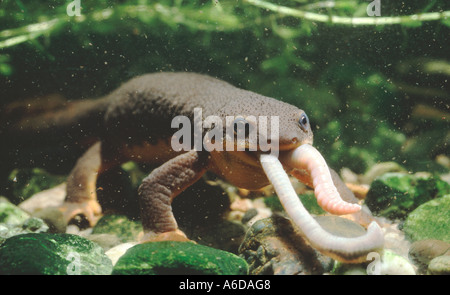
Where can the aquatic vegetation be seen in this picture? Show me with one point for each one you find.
(363, 78)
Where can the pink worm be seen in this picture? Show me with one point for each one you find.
(308, 158)
(341, 248)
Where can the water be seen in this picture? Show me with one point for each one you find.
(373, 76)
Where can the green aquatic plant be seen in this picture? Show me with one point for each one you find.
(356, 73)
(44, 20)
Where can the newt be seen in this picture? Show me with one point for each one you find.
(133, 123)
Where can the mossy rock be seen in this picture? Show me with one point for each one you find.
(119, 225)
(394, 195)
(10, 213)
(26, 182)
(31, 225)
(14, 221)
(429, 221)
(177, 258)
(52, 254)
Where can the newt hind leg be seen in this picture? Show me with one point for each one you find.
(82, 185)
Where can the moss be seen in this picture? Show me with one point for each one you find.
(394, 195)
(178, 258)
(52, 254)
(26, 182)
(429, 221)
(11, 214)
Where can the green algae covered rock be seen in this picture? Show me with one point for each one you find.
(125, 229)
(178, 258)
(394, 195)
(10, 213)
(14, 221)
(52, 254)
(31, 225)
(26, 182)
(429, 221)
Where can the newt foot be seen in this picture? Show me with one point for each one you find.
(175, 236)
(91, 210)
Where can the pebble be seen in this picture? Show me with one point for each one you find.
(379, 169)
(116, 252)
(423, 251)
(52, 197)
(440, 265)
(388, 263)
(394, 264)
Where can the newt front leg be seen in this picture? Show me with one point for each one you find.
(158, 190)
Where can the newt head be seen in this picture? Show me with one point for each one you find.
(253, 125)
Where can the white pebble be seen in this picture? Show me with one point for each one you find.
(116, 252)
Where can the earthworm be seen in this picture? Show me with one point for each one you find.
(308, 158)
(340, 248)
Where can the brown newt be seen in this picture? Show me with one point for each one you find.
(134, 123)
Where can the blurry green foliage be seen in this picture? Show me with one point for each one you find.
(345, 77)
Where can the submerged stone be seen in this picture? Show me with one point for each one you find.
(394, 195)
(225, 235)
(125, 229)
(52, 254)
(423, 251)
(14, 221)
(440, 265)
(273, 246)
(24, 183)
(185, 258)
(429, 221)
(10, 213)
(341, 227)
(394, 264)
(388, 263)
(31, 225)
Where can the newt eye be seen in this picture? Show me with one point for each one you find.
(303, 122)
